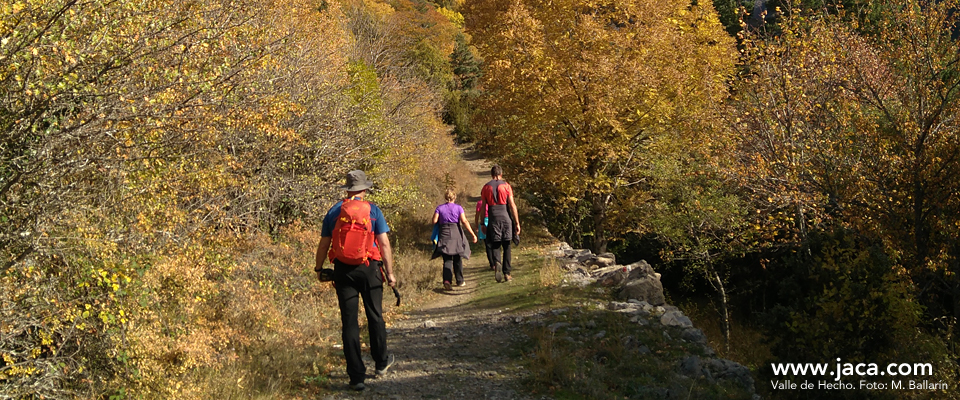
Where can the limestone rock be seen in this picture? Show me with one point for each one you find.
(643, 284)
(725, 369)
(602, 261)
(614, 277)
(694, 335)
(675, 318)
(690, 366)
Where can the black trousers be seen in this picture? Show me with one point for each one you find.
(352, 283)
(505, 259)
(452, 266)
(488, 246)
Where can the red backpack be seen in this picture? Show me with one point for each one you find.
(353, 238)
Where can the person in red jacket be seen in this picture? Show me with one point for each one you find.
(503, 221)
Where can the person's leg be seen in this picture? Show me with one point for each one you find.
(373, 306)
(447, 268)
(488, 247)
(458, 269)
(495, 249)
(506, 257)
(498, 265)
(347, 296)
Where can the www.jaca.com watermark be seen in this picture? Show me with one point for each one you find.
(849, 376)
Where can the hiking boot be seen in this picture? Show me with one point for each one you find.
(507, 278)
(383, 371)
(462, 284)
(499, 268)
(358, 386)
(446, 285)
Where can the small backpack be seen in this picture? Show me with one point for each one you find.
(353, 238)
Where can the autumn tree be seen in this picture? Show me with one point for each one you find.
(847, 130)
(580, 98)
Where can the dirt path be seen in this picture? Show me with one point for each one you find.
(459, 345)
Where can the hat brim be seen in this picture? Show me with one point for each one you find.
(356, 187)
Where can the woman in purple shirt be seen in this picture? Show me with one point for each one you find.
(452, 243)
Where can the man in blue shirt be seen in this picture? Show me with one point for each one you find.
(362, 280)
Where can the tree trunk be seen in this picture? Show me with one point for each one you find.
(921, 234)
(599, 211)
(724, 310)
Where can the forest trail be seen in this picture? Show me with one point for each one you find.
(460, 344)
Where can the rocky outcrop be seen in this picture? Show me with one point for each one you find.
(640, 292)
(643, 284)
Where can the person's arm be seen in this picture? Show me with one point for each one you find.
(385, 251)
(436, 217)
(322, 250)
(476, 217)
(466, 223)
(513, 209)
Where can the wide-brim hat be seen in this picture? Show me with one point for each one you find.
(357, 181)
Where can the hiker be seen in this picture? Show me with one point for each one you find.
(482, 210)
(503, 224)
(354, 237)
(451, 241)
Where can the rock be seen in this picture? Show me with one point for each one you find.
(600, 261)
(600, 335)
(429, 324)
(609, 255)
(570, 266)
(559, 311)
(618, 305)
(616, 277)
(643, 349)
(643, 284)
(723, 369)
(647, 289)
(599, 273)
(694, 335)
(561, 250)
(591, 324)
(675, 318)
(708, 351)
(641, 268)
(690, 366)
(583, 258)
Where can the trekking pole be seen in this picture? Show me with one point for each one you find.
(397, 294)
